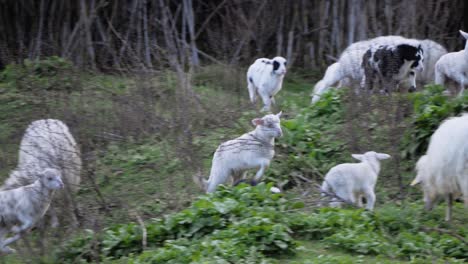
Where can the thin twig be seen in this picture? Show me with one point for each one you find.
(445, 231)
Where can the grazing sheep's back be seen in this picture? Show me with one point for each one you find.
(432, 52)
(448, 156)
(46, 143)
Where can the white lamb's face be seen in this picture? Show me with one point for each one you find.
(279, 65)
(52, 179)
(269, 125)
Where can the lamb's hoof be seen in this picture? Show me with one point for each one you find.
(446, 93)
(7, 250)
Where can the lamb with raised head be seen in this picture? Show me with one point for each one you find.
(353, 181)
(443, 171)
(253, 150)
(22, 207)
(265, 77)
(453, 67)
(48, 143)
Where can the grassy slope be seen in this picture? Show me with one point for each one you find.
(127, 173)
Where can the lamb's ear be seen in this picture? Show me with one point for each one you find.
(464, 34)
(257, 122)
(383, 156)
(279, 114)
(358, 156)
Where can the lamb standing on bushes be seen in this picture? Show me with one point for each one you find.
(22, 207)
(253, 150)
(265, 77)
(453, 67)
(352, 181)
(48, 143)
(443, 171)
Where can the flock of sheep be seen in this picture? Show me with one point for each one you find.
(49, 158)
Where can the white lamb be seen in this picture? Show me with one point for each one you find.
(265, 77)
(453, 66)
(443, 171)
(253, 150)
(22, 207)
(47, 143)
(353, 181)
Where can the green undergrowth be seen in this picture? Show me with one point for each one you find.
(251, 225)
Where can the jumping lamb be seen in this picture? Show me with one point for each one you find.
(253, 150)
(353, 181)
(443, 171)
(265, 77)
(453, 66)
(22, 207)
(48, 143)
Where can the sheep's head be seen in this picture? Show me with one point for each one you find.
(371, 155)
(269, 125)
(51, 179)
(412, 53)
(279, 65)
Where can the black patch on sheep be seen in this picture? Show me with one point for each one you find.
(250, 80)
(384, 62)
(275, 65)
(408, 52)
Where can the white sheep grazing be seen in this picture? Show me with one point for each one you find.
(22, 207)
(388, 65)
(265, 77)
(47, 143)
(253, 150)
(353, 181)
(443, 171)
(453, 66)
(348, 71)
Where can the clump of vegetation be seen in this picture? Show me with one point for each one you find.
(230, 224)
(431, 107)
(310, 146)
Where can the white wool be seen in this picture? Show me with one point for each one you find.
(22, 207)
(253, 150)
(453, 67)
(265, 77)
(349, 73)
(47, 143)
(444, 168)
(353, 181)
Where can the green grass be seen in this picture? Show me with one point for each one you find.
(146, 173)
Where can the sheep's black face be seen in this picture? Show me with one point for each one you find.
(412, 53)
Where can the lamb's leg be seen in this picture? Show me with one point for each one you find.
(6, 242)
(3, 248)
(252, 91)
(221, 178)
(266, 102)
(462, 87)
(448, 212)
(260, 172)
(358, 200)
(370, 198)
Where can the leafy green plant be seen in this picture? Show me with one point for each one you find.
(431, 107)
